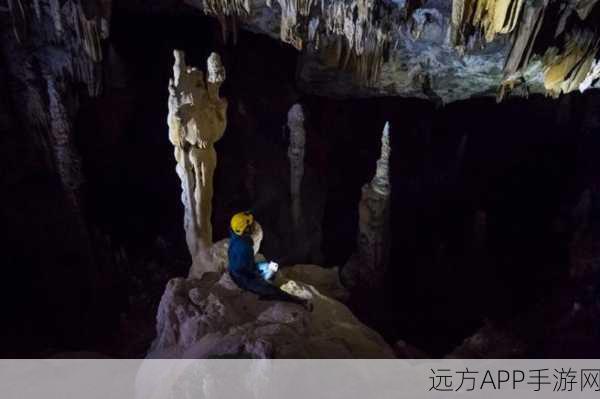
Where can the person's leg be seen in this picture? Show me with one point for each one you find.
(265, 290)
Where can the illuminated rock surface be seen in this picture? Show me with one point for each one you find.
(197, 119)
(366, 269)
(441, 50)
(212, 317)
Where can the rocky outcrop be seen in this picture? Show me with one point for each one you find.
(197, 120)
(211, 317)
(490, 342)
(366, 269)
(567, 69)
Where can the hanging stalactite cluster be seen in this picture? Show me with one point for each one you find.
(353, 35)
(58, 46)
(294, 21)
(485, 17)
(81, 34)
(566, 43)
(361, 30)
(228, 12)
(557, 38)
(567, 68)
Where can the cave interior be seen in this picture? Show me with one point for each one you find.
(492, 208)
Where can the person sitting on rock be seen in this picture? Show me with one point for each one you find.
(244, 271)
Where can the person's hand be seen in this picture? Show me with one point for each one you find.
(273, 267)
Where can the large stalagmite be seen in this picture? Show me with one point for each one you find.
(296, 155)
(366, 268)
(197, 119)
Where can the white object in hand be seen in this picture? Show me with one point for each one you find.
(268, 269)
(273, 267)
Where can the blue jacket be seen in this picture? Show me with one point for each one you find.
(241, 256)
(250, 275)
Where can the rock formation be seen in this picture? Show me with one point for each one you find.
(490, 342)
(227, 12)
(567, 69)
(415, 48)
(420, 48)
(490, 17)
(52, 62)
(296, 156)
(366, 268)
(75, 35)
(211, 317)
(57, 46)
(197, 119)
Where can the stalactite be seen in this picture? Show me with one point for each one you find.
(91, 35)
(592, 78)
(522, 48)
(66, 159)
(19, 19)
(366, 268)
(456, 22)
(584, 7)
(196, 120)
(566, 69)
(227, 7)
(84, 41)
(294, 21)
(227, 12)
(296, 156)
(55, 10)
(37, 9)
(490, 17)
(365, 37)
(525, 35)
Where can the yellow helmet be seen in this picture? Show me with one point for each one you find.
(241, 221)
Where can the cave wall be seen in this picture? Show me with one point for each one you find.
(47, 242)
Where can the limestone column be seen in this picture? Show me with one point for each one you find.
(197, 120)
(296, 154)
(366, 268)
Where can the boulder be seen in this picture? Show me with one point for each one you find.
(210, 317)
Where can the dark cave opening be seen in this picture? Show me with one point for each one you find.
(481, 231)
(480, 202)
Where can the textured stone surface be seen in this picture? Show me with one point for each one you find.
(296, 156)
(490, 342)
(212, 317)
(366, 268)
(197, 119)
(441, 50)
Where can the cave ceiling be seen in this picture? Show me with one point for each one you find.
(433, 49)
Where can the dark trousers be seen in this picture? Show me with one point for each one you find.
(263, 289)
